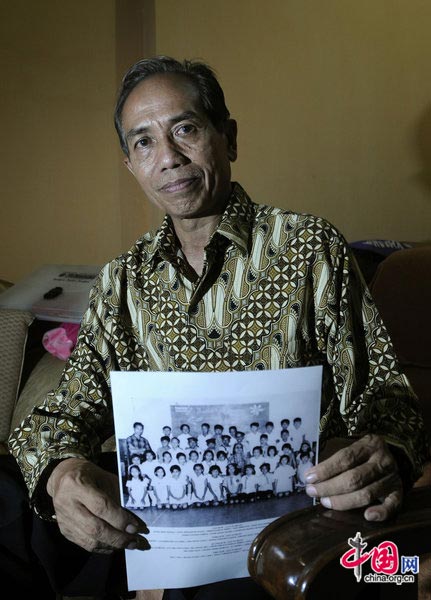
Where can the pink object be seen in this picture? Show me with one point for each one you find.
(61, 341)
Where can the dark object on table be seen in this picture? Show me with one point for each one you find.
(53, 293)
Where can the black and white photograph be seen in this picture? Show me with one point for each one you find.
(228, 456)
(245, 464)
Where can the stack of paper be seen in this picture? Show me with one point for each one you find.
(72, 285)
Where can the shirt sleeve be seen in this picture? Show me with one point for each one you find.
(76, 418)
(364, 389)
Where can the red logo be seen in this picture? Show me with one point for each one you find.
(384, 557)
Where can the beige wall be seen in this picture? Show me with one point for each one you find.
(333, 101)
(61, 174)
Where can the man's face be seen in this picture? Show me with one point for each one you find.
(181, 161)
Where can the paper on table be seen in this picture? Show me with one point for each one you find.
(193, 545)
(75, 282)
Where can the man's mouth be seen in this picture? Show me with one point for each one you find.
(178, 185)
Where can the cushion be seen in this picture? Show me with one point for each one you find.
(13, 335)
(44, 378)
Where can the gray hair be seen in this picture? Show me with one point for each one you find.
(200, 74)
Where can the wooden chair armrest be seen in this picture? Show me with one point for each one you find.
(298, 555)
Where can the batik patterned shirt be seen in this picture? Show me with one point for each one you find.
(278, 290)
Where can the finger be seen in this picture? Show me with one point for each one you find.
(105, 549)
(106, 509)
(382, 488)
(343, 460)
(350, 481)
(135, 524)
(92, 532)
(102, 549)
(387, 509)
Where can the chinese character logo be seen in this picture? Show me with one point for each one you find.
(353, 559)
(410, 563)
(384, 560)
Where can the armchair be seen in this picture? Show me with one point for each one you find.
(297, 557)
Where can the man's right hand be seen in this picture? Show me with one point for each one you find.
(88, 510)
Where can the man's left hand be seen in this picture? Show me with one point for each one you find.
(363, 474)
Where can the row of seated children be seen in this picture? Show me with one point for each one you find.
(211, 457)
(178, 487)
(219, 440)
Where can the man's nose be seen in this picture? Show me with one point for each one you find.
(171, 155)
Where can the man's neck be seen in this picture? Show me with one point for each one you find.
(194, 235)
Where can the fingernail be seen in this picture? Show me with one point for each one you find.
(326, 502)
(311, 478)
(372, 516)
(139, 543)
(311, 490)
(133, 528)
(143, 543)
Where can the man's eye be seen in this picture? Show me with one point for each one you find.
(143, 143)
(185, 129)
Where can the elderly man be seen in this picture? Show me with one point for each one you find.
(248, 287)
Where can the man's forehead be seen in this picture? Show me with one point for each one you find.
(162, 96)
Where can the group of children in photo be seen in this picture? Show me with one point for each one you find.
(214, 467)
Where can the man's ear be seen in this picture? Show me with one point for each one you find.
(231, 130)
(126, 161)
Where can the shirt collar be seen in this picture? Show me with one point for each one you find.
(235, 225)
(237, 219)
